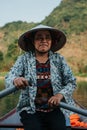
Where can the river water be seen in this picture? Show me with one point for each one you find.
(80, 95)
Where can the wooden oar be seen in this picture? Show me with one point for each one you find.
(74, 109)
(7, 91)
(81, 111)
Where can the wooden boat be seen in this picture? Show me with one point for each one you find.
(11, 121)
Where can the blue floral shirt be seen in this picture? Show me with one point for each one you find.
(62, 79)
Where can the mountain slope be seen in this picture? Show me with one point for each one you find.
(71, 17)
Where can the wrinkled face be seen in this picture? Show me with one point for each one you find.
(42, 41)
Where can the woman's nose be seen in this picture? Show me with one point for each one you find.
(43, 39)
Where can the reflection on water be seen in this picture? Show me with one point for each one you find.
(81, 95)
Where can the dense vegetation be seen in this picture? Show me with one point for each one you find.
(70, 16)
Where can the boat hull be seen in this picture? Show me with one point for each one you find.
(11, 121)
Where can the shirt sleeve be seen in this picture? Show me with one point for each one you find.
(15, 71)
(68, 79)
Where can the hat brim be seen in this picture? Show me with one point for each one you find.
(58, 38)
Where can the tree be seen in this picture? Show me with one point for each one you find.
(1, 56)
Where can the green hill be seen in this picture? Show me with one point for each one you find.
(70, 16)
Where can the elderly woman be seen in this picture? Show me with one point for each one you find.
(44, 78)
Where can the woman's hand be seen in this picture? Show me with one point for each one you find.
(55, 100)
(20, 82)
